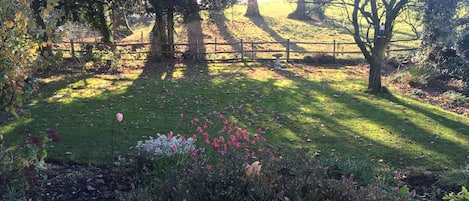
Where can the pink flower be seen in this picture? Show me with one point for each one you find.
(194, 136)
(209, 167)
(35, 140)
(174, 148)
(216, 144)
(200, 129)
(220, 116)
(195, 121)
(225, 121)
(183, 137)
(53, 135)
(259, 130)
(170, 135)
(119, 117)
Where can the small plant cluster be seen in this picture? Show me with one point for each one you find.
(233, 172)
(21, 165)
(165, 145)
(463, 195)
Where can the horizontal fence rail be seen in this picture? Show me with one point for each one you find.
(236, 51)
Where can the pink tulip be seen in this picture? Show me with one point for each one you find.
(119, 117)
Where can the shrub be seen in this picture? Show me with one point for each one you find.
(456, 97)
(321, 58)
(21, 164)
(287, 173)
(19, 52)
(156, 156)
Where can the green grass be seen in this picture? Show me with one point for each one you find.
(325, 106)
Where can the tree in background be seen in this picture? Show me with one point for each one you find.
(19, 57)
(443, 51)
(305, 9)
(162, 34)
(300, 11)
(253, 9)
(375, 35)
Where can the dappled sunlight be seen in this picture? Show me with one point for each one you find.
(93, 87)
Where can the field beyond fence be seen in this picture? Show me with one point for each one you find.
(238, 51)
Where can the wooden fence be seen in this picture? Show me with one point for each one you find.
(237, 51)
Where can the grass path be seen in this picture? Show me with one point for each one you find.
(323, 106)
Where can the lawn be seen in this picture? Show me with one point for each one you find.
(324, 106)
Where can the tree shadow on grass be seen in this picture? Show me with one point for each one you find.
(407, 133)
(262, 23)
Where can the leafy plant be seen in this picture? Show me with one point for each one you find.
(456, 97)
(18, 52)
(287, 173)
(21, 164)
(463, 195)
(156, 156)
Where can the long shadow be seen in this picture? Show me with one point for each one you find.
(222, 27)
(382, 117)
(261, 23)
(197, 51)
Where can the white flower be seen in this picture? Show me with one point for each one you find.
(164, 146)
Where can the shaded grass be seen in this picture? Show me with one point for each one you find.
(324, 106)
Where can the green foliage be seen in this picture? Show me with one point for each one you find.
(319, 59)
(463, 195)
(456, 97)
(458, 177)
(18, 53)
(286, 173)
(21, 165)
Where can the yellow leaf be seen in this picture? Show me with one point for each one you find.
(9, 24)
(19, 14)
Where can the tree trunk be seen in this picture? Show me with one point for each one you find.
(192, 12)
(170, 25)
(300, 12)
(104, 27)
(159, 34)
(253, 9)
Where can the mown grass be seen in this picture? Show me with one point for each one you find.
(326, 107)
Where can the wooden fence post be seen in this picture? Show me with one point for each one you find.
(388, 51)
(73, 48)
(333, 49)
(288, 50)
(215, 48)
(196, 56)
(242, 50)
(253, 54)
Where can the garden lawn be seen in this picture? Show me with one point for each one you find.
(323, 106)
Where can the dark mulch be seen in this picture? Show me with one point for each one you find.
(82, 182)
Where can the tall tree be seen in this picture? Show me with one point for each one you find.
(373, 37)
(253, 9)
